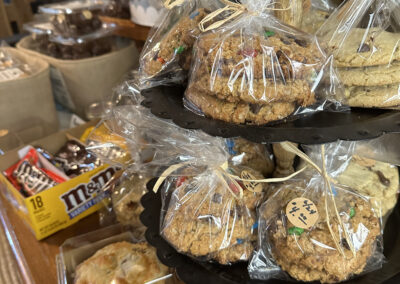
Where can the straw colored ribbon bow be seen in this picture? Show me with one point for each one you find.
(169, 4)
(226, 177)
(328, 181)
(233, 10)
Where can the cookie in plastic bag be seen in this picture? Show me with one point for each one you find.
(207, 220)
(313, 229)
(313, 254)
(126, 201)
(167, 54)
(250, 154)
(377, 180)
(257, 70)
(363, 36)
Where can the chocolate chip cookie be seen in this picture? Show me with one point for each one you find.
(380, 75)
(363, 47)
(377, 180)
(374, 96)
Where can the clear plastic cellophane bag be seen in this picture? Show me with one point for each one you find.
(123, 203)
(206, 212)
(316, 14)
(314, 229)
(253, 155)
(363, 37)
(255, 69)
(373, 172)
(167, 54)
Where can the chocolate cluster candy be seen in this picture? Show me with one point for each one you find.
(75, 18)
(75, 160)
(117, 9)
(78, 23)
(77, 50)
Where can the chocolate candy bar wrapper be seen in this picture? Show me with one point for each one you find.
(32, 179)
(75, 160)
(31, 176)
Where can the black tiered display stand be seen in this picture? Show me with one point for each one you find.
(191, 271)
(321, 127)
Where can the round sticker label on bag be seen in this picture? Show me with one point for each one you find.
(302, 213)
(87, 14)
(251, 185)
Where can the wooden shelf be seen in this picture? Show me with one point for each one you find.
(36, 260)
(126, 28)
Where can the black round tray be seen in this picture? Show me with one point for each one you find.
(196, 272)
(321, 127)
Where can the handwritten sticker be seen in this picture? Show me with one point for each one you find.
(302, 213)
(87, 14)
(251, 185)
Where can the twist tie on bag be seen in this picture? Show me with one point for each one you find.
(229, 180)
(169, 4)
(328, 180)
(235, 9)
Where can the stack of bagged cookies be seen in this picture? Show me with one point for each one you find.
(254, 73)
(369, 68)
(365, 51)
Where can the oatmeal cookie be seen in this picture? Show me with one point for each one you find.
(205, 220)
(255, 91)
(252, 155)
(236, 252)
(312, 255)
(237, 112)
(121, 263)
(272, 56)
(377, 180)
(176, 45)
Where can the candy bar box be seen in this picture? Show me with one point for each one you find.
(54, 182)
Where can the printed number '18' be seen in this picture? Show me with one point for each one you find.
(37, 202)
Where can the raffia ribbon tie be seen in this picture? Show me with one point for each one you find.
(169, 4)
(225, 176)
(328, 182)
(235, 9)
